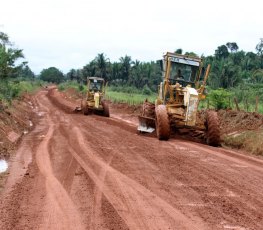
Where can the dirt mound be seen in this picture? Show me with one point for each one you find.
(126, 108)
(232, 121)
(62, 101)
(15, 120)
(71, 94)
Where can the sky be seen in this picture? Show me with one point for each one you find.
(69, 34)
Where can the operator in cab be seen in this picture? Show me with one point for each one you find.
(179, 75)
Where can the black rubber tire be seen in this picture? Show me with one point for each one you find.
(106, 110)
(162, 123)
(212, 129)
(86, 111)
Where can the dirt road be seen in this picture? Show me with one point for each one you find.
(90, 172)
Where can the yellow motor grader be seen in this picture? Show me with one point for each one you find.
(94, 101)
(179, 93)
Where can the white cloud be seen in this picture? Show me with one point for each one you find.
(69, 34)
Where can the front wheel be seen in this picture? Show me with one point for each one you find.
(106, 110)
(162, 123)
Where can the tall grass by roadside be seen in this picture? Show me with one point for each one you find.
(251, 141)
(130, 95)
(12, 89)
(216, 99)
(117, 94)
(129, 98)
(72, 85)
(205, 104)
(246, 99)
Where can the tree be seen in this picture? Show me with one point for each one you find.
(89, 70)
(9, 57)
(179, 51)
(125, 63)
(71, 75)
(102, 66)
(257, 76)
(232, 46)
(52, 74)
(259, 49)
(138, 74)
(26, 72)
(191, 54)
(115, 72)
(221, 52)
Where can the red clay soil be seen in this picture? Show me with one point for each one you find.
(15, 121)
(92, 172)
(232, 121)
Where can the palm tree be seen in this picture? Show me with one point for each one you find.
(102, 66)
(125, 67)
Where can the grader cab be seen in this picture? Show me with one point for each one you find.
(179, 93)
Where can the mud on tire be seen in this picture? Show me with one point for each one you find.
(85, 108)
(212, 129)
(86, 111)
(106, 110)
(162, 123)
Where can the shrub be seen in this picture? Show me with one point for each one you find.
(13, 89)
(146, 90)
(81, 88)
(71, 85)
(219, 98)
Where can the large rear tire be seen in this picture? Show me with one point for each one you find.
(106, 110)
(162, 123)
(213, 129)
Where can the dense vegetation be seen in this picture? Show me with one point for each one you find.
(234, 73)
(15, 75)
(52, 74)
(230, 68)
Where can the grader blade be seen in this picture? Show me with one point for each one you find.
(146, 124)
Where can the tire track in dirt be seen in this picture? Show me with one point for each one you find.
(61, 212)
(144, 153)
(139, 207)
(209, 194)
(98, 199)
(238, 199)
(124, 180)
(227, 155)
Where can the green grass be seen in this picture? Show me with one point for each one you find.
(130, 95)
(72, 85)
(251, 106)
(129, 98)
(134, 96)
(12, 89)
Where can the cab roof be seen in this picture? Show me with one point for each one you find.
(95, 78)
(183, 59)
